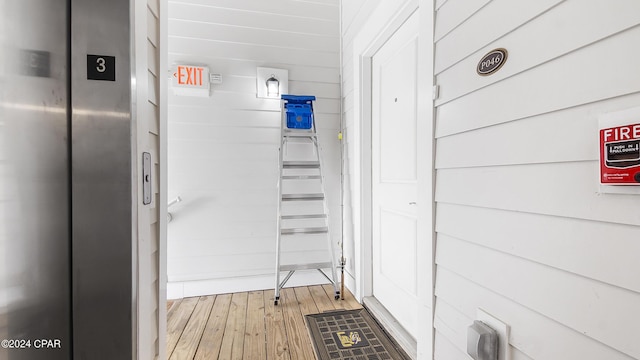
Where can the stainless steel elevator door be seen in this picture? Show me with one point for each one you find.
(34, 181)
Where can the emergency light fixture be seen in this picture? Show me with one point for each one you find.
(273, 87)
(271, 83)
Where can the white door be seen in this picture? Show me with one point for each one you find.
(394, 175)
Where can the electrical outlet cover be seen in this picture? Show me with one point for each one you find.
(501, 328)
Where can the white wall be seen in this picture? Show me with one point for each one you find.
(223, 149)
(522, 231)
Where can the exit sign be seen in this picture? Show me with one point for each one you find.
(190, 80)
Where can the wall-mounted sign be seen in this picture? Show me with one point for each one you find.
(492, 62)
(101, 67)
(620, 148)
(35, 63)
(190, 80)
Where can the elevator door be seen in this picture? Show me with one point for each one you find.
(67, 181)
(34, 181)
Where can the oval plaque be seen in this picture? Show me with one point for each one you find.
(492, 62)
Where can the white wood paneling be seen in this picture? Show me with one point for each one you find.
(453, 329)
(239, 19)
(609, 259)
(152, 58)
(446, 350)
(354, 21)
(349, 12)
(223, 148)
(497, 18)
(522, 230)
(551, 86)
(439, 3)
(253, 36)
(581, 122)
(322, 9)
(154, 6)
(224, 101)
(533, 333)
(568, 36)
(246, 68)
(452, 13)
(229, 285)
(185, 46)
(537, 188)
(561, 296)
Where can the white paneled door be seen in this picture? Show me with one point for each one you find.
(394, 175)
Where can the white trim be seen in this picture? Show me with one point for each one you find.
(392, 326)
(426, 182)
(163, 196)
(366, 187)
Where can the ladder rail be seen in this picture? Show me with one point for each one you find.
(278, 285)
(325, 204)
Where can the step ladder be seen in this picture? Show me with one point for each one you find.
(298, 127)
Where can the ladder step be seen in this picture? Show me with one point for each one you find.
(300, 164)
(288, 131)
(302, 197)
(300, 135)
(294, 267)
(309, 230)
(301, 177)
(312, 216)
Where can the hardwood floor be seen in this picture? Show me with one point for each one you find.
(247, 325)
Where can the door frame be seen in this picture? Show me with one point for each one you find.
(373, 35)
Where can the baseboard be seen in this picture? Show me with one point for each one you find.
(391, 326)
(182, 289)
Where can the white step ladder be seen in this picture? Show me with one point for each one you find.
(298, 127)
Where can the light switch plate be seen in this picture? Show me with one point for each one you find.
(501, 328)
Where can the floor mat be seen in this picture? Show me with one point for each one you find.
(351, 335)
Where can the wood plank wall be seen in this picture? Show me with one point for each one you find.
(223, 149)
(521, 229)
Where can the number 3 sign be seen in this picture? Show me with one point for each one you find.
(101, 67)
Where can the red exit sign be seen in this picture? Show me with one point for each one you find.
(191, 80)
